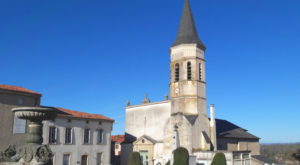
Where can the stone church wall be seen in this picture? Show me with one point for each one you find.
(147, 119)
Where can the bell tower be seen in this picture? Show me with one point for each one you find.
(187, 82)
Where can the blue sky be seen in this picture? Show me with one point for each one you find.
(95, 55)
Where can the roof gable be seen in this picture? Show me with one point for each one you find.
(145, 140)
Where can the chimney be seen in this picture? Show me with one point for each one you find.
(213, 134)
(212, 115)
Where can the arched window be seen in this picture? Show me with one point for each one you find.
(177, 72)
(200, 72)
(189, 71)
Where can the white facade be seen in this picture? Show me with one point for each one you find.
(67, 142)
(146, 119)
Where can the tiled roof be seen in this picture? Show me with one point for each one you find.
(118, 138)
(18, 89)
(77, 114)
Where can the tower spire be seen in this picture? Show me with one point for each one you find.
(187, 33)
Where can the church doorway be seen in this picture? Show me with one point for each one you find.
(144, 157)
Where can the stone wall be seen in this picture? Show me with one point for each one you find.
(147, 119)
(235, 144)
(9, 100)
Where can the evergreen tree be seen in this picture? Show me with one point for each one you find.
(219, 159)
(135, 159)
(181, 156)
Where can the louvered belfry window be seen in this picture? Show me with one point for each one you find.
(177, 72)
(200, 72)
(189, 71)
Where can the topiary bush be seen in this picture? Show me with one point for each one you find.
(135, 159)
(219, 159)
(168, 163)
(181, 156)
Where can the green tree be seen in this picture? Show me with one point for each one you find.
(135, 159)
(219, 159)
(181, 156)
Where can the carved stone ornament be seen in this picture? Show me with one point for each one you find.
(7, 155)
(26, 152)
(43, 154)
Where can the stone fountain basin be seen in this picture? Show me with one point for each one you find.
(35, 113)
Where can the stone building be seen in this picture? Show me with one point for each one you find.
(13, 129)
(155, 129)
(74, 137)
(116, 148)
(79, 138)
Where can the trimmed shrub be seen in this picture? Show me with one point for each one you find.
(219, 159)
(168, 163)
(135, 159)
(181, 156)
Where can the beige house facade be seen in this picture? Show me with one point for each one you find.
(79, 138)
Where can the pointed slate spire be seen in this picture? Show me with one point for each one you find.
(187, 33)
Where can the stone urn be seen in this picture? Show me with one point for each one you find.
(32, 152)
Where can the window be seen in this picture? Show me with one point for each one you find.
(66, 159)
(189, 71)
(100, 136)
(84, 160)
(86, 136)
(52, 135)
(69, 136)
(99, 158)
(19, 125)
(246, 156)
(177, 72)
(236, 156)
(200, 72)
(20, 101)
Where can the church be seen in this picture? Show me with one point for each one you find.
(155, 129)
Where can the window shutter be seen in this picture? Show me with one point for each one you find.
(102, 136)
(98, 137)
(89, 140)
(72, 135)
(55, 135)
